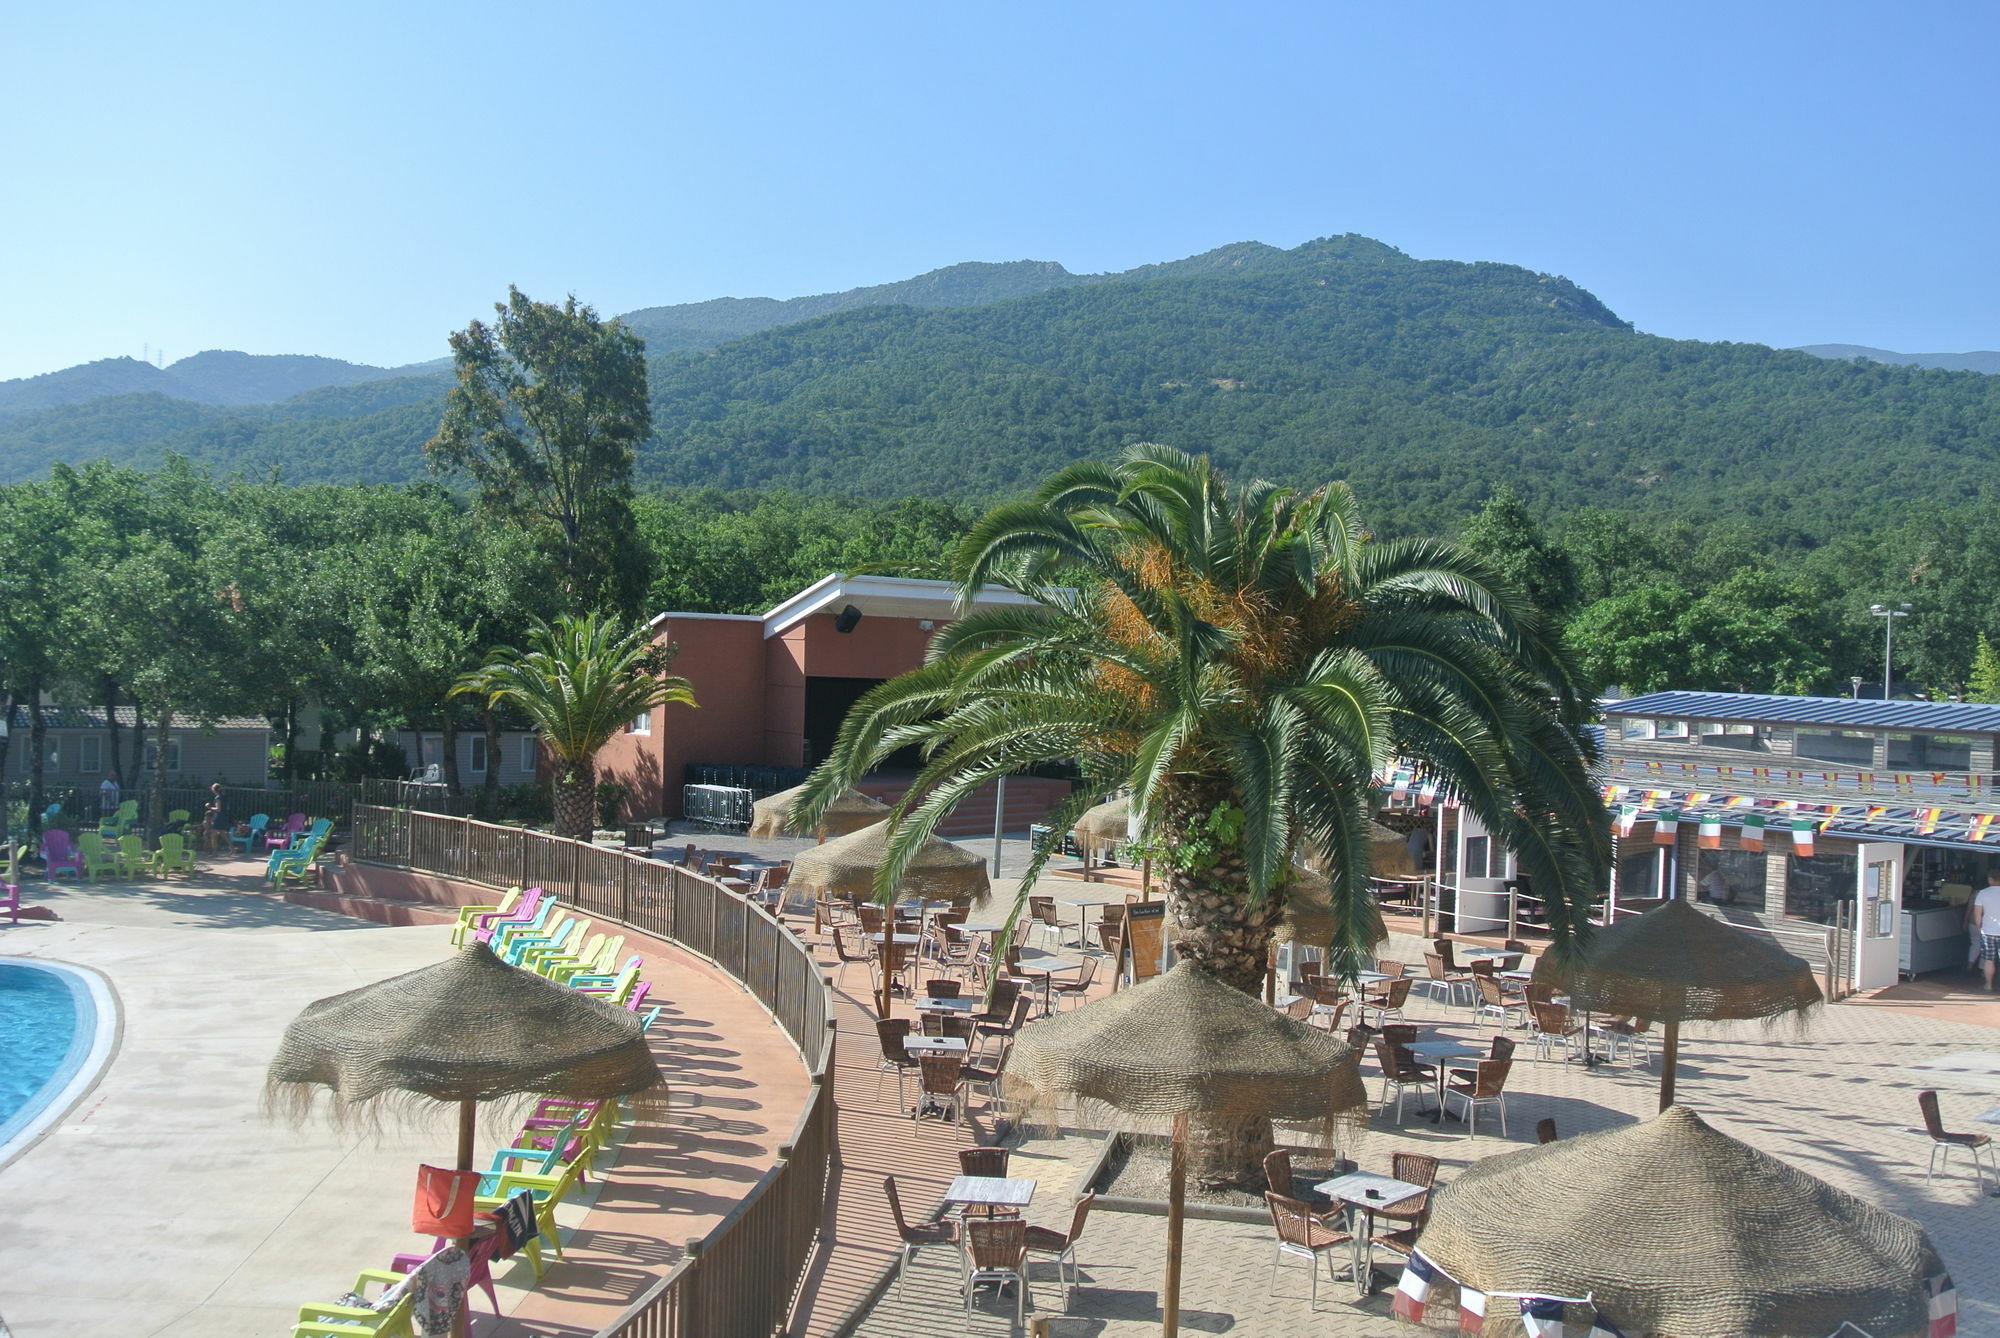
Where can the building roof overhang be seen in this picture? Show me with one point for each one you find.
(874, 596)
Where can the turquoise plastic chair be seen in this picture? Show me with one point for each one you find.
(296, 861)
(258, 822)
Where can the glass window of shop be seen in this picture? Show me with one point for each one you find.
(1852, 747)
(1817, 885)
(1930, 752)
(1730, 878)
(1935, 876)
(1638, 870)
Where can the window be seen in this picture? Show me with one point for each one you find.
(478, 751)
(1670, 729)
(1717, 734)
(1730, 878)
(1639, 872)
(432, 750)
(1853, 747)
(90, 754)
(528, 753)
(173, 755)
(1816, 887)
(1634, 728)
(1476, 848)
(642, 723)
(52, 757)
(1930, 752)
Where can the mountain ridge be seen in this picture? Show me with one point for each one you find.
(1978, 360)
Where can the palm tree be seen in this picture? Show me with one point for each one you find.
(1245, 660)
(579, 681)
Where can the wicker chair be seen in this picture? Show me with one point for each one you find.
(1487, 1086)
(1279, 1176)
(1444, 983)
(1398, 1225)
(1299, 1009)
(1042, 910)
(1006, 1031)
(941, 1087)
(913, 1238)
(1553, 1027)
(1545, 1130)
(988, 1077)
(1062, 1244)
(1401, 1071)
(996, 1250)
(891, 1031)
(846, 958)
(1634, 1034)
(1978, 1146)
(1078, 989)
(1389, 1003)
(1301, 1235)
(1503, 1048)
(938, 988)
(1494, 1003)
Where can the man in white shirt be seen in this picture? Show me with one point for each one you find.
(1986, 923)
(107, 796)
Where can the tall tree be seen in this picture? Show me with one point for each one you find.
(579, 681)
(1245, 660)
(549, 406)
(1507, 537)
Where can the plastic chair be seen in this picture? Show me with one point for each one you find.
(132, 855)
(479, 1253)
(173, 856)
(549, 1190)
(996, 1250)
(486, 920)
(469, 916)
(282, 837)
(325, 1319)
(59, 853)
(10, 882)
(258, 822)
(98, 859)
(913, 1238)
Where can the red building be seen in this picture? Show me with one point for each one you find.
(773, 689)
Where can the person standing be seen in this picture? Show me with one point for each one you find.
(1418, 843)
(107, 797)
(1986, 924)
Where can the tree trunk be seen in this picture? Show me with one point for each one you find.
(156, 803)
(289, 769)
(135, 751)
(325, 762)
(111, 732)
(576, 799)
(38, 755)
(451, 786)
(6, 746)
(489, 803)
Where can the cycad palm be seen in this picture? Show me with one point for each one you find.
(579, 681)
(1245, 660)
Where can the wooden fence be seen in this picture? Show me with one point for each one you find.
(739, 1280)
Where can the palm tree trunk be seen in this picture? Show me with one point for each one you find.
(576, 798)
(489, 800)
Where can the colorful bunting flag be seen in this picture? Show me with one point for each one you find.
(1752, 835)
(1471, 1311)
(1415, 1286)
(1666, 826)
(1802, 837)
(1944, 1306)
(1709, 837)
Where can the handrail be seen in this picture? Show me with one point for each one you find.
(738, 1280)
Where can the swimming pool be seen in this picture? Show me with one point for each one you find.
(57, 1024)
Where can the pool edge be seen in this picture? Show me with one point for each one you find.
(92, 989)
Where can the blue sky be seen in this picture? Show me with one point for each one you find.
(359, 180)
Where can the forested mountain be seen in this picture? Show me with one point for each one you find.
(1424, 383)
(1982, 360)
(214, 377)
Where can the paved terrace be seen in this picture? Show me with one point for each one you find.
(164, 1204)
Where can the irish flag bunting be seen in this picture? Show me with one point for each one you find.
(1752, 835)
(1802, 837)
(1626, 817)
(1666, 826)
(1709, 837)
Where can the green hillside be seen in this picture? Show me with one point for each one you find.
(1425, 383)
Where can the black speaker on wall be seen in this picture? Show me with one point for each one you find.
(849, 616)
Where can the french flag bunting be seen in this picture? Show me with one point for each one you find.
(1471, 1310)
(1542, 1317)
(1601, 1327)
(1944, 1306)
(1418, 1274)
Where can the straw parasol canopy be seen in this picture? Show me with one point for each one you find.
(1185, 1048)
(469, 1029)
(849, 811)
(1673, 1227)
(1107, 824)
(940, 871)
(1674, 964)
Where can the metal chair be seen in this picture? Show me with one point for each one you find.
(1487, 1086)
(940, 1087)
(1062, 1244)
(890, 1032)
(1401, 1071)
(1632, 1033)
(1078, 989)
(1553, 1027)
(845, 957)
(1494, 1003)
(1389, 1002)
(1942, 1140)
(1279, 1177)
(914, 1238)
(1301, 1235)
(996, 1252)
(1442, 981)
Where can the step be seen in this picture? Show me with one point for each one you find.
(379, 910)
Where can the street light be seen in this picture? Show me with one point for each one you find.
(1888, 616)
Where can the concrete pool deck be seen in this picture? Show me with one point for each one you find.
(164, 1203)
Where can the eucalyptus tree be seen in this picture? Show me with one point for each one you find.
(578, 681)
(1245, 660)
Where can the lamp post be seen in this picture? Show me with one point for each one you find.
(1888, 614)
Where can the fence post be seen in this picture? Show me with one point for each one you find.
(1513, 912)
(625, 889)
(689, 1318)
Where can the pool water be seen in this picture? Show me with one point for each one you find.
(38, 1035)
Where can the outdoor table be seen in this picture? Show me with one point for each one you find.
(1442, 1053)
(1991, 1116)
(1494, 955)
(1976, 1069)
(935, 1045)
(1518, 975)
(989, 1191)
(1047, 967)
(930, 1005)
(901, 940)
(1083, 920)
(1353, 1190)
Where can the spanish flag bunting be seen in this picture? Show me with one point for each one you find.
(1666, 825)
(1709, 837)
(1802, 837)
(1979, 826)
(1927, 821)
(1752, 836)
(1876, 810)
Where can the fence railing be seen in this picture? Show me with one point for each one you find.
(739, 1280)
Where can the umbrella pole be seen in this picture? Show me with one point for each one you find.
(468, 1118)
(1670, 1054)
(1170, 1294)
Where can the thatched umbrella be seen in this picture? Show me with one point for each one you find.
(1674, 964)
(846, 867)
(1673, 1227)
(848, 811)
(1184, 1047)
(1108, 824)
(467, 1030)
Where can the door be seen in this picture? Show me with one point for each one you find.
(1879, 915)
